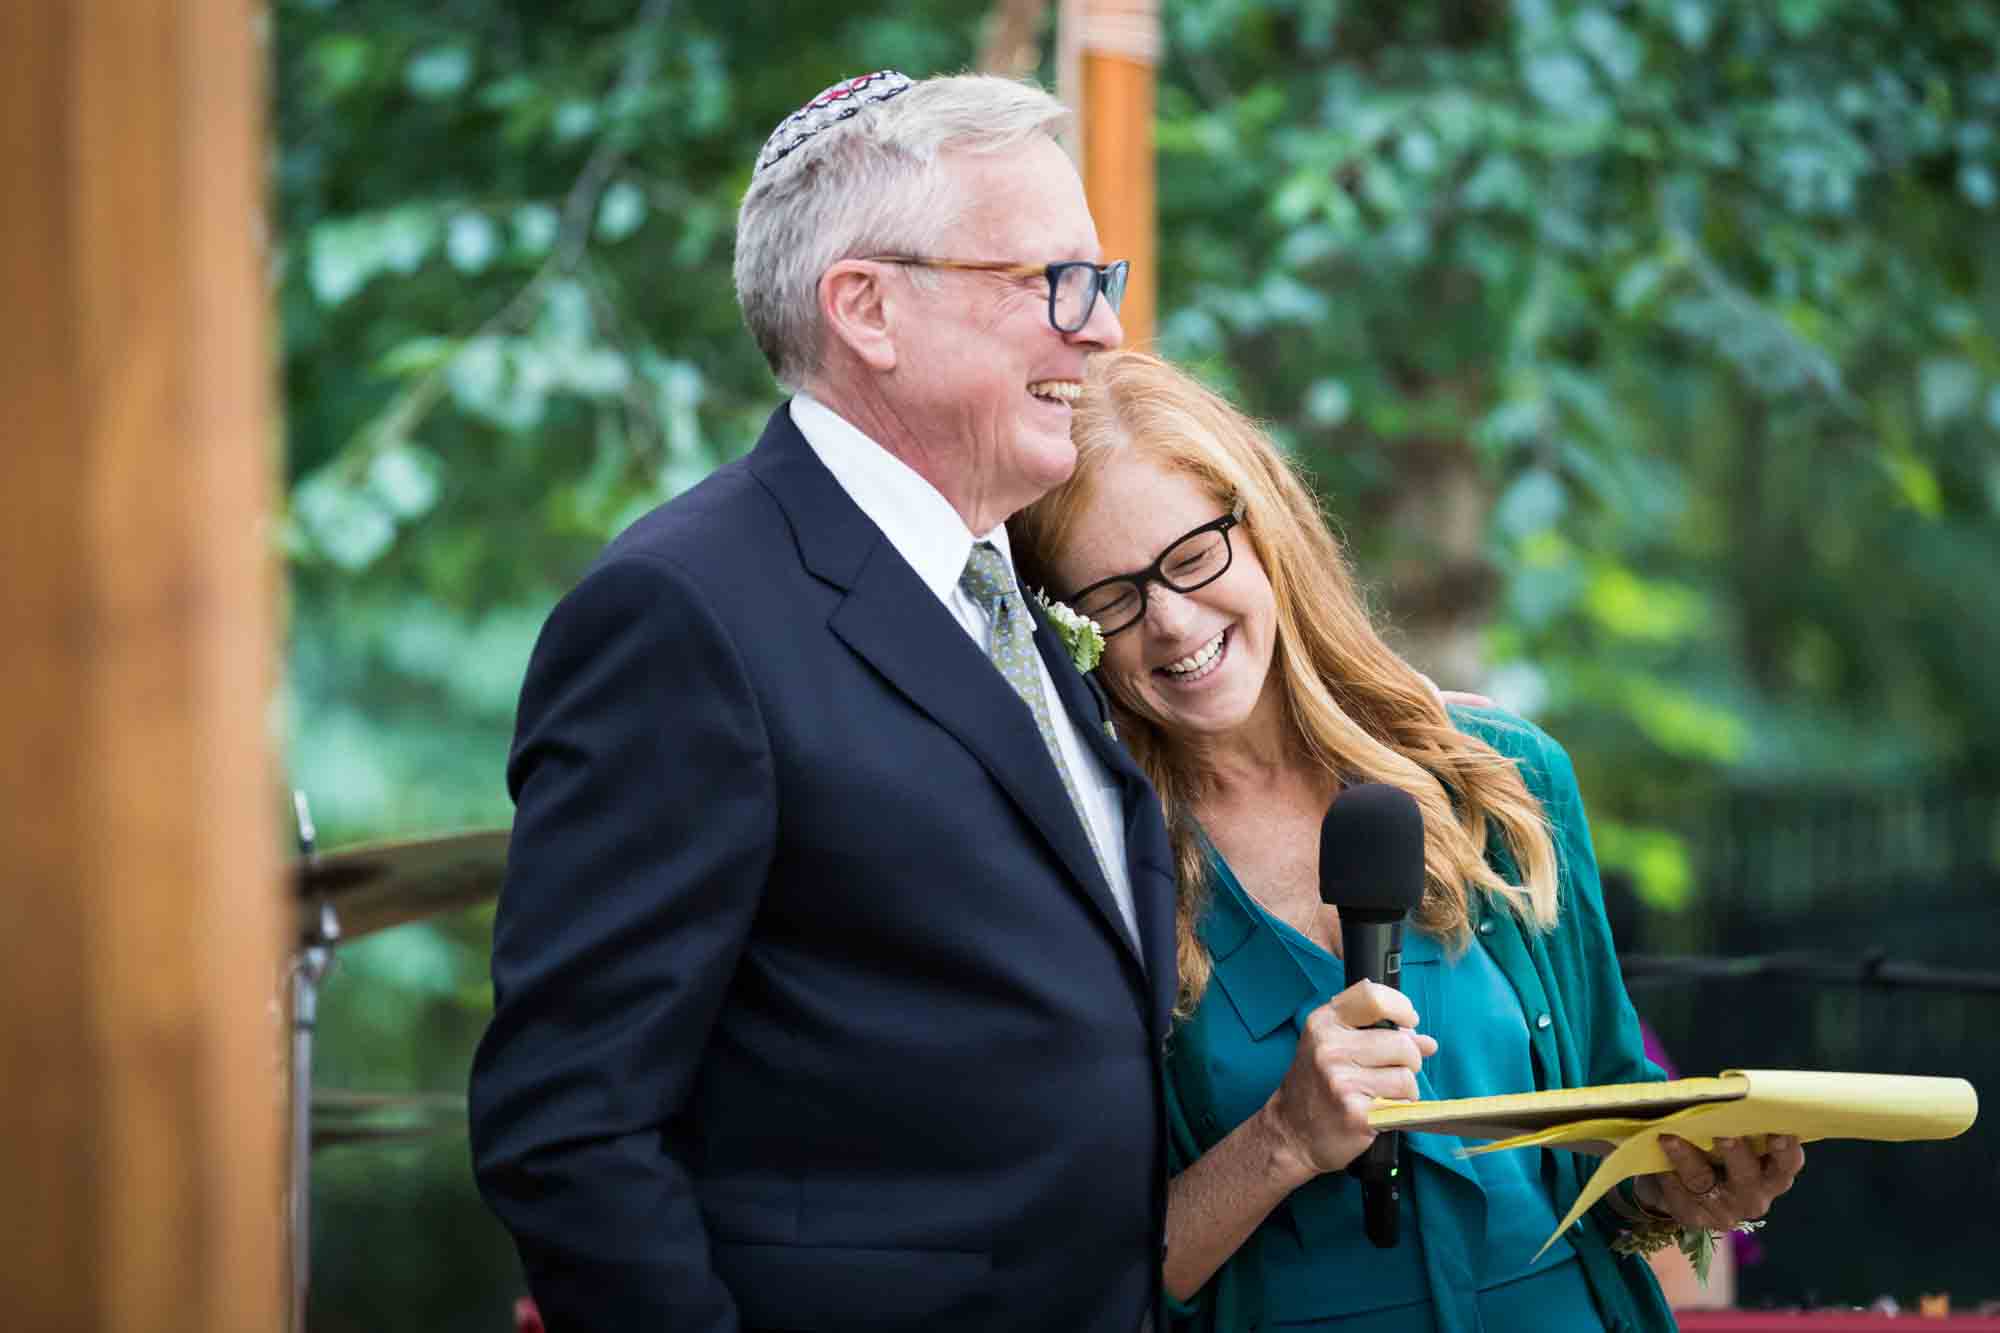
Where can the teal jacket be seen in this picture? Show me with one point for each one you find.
(1570, 974)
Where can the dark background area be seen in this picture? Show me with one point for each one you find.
(1848, 879)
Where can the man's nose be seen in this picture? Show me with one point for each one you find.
(1102, 329)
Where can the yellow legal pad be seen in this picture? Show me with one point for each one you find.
(1623, 1122)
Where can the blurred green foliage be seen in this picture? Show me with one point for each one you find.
(1700, 298)
(1645, 346)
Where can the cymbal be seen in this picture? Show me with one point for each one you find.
(340, 1116)
(340, 1136)
(350, 1101)
(375, 886)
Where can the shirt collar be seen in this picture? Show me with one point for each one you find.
(918, 521)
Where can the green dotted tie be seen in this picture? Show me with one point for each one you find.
(989, 582)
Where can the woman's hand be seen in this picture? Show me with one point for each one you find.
(1317, 1121)
(1716, 1195)
(1319, 1114)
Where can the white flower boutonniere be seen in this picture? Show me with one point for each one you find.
(1080, 634)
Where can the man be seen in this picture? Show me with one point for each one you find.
(835, 954)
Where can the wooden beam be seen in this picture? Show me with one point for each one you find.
(140, 1129)
(1111, 49)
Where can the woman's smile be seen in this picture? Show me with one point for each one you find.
(1198, 665)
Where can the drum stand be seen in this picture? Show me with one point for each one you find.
(308, 968)
(375, 888)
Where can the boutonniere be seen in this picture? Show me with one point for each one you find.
(1080, 634)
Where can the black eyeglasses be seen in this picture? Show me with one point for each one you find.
(1193, 560)
(1073, 284)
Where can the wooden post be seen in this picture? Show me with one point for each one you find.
(1110, 49)
(140, 919)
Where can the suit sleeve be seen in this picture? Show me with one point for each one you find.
(645, 819)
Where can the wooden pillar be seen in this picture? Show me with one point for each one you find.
(1109, 51)
(140, 918)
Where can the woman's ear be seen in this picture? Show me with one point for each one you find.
(856, 306)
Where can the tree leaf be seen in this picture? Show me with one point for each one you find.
(471, 242)
(1947, 388)
(438, 72)
(405, 480)
(621, 212)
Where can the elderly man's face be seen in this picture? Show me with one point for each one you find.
(983, 379)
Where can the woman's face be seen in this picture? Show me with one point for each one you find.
(1196, 663)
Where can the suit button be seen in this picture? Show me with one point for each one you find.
(1542, 1021)
(1486, 927)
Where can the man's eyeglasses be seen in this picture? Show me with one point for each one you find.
(1073, 285)
(1193, 560)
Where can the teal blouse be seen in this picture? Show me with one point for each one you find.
(1552, 1012)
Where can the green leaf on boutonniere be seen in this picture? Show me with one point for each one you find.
(1080, 634)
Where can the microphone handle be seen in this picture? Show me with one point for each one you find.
(1373, 951)
(1379, 1168)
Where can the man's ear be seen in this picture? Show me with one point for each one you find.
(856, 305)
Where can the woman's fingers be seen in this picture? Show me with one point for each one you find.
(1735, 1184)
(1741, 1194)
(1334, 1042)
(1342, 1065)
(1370, 1081)
(1784, 1158)
(1692, 1171)
(1692, 1191)
(1366, 1003)
(1765, 1176)
(1741, 1169)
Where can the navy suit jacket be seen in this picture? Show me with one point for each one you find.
(812, 1007)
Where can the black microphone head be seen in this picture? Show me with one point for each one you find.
(1371, 853)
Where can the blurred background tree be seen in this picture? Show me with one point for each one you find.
(1644, 352)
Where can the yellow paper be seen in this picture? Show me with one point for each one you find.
(1890, 1108)
(1520, 1113)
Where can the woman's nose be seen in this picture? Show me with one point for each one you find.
(1168, 613)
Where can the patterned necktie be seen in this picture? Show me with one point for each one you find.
(989, 582)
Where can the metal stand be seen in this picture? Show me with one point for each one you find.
(309, 968)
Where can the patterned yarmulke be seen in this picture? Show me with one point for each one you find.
(836, 104)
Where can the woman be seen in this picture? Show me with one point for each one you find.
(1251, 686)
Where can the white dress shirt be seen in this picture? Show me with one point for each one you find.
(931, 536)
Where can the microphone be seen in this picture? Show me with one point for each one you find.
(1371, 869)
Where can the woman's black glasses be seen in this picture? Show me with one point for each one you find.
(1193, 560)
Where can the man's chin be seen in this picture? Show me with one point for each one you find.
(1047, 462)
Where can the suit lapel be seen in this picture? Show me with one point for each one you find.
(1152, 883)
(1084, 701)
(894, 623)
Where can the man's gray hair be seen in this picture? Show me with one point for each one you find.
(867, 185)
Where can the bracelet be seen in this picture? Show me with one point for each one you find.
(1625, 1201)
(1645, 1238)
(1651, 1232)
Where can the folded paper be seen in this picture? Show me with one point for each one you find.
(1623, 1122)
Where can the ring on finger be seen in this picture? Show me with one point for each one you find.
(1712, 1193)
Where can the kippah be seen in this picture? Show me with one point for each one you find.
(838, 103)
